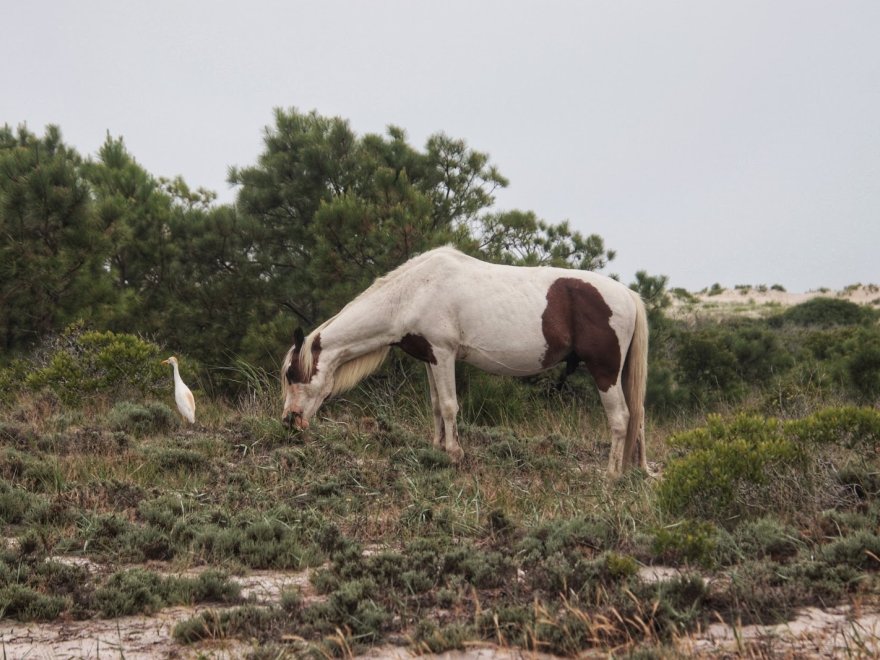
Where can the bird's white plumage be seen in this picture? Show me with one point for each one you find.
(186, 404)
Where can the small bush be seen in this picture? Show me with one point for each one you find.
(767, 538)
(687, 542)
(12, 379)
(15, 503)
(140, 420)
(848, 426)
(26, 604)
(432, 638)
(80, 363)
(130, 592)
(707, 366)
(139, 591)
(825, 312)
(759, 592)
(860, 551)
(211, 586)
(177, 458)
(244, 622)
(863, 362)
(733, 470)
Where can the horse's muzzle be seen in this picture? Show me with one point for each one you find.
(295, 419)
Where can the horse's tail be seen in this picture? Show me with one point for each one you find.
(635, 378)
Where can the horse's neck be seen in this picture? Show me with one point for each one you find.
(364, 325)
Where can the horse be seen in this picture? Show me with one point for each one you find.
(443, 306)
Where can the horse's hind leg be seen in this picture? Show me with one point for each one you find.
(618, 418)
(444, 384)
(435, 410)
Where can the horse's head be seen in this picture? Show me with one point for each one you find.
(303, 385)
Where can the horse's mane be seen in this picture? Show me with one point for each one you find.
(355, 370)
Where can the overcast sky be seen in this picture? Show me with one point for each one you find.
(733, 142)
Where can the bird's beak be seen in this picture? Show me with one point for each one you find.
(164, 361)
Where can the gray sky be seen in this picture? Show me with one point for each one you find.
(733, 142)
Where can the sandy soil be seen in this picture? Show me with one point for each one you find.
(838, 632)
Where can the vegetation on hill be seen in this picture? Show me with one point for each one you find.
(322, 213)
(763, 433)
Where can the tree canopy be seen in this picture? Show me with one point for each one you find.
(322, 213)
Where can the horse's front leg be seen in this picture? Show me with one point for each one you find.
(435, 410)
(443, 375)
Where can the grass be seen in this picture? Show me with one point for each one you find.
(525, 544)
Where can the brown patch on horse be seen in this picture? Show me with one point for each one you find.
(294, 371)
(577, 326)
(418, 347)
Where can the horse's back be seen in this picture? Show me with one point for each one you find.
(513, 319)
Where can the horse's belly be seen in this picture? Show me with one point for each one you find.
(507, 363)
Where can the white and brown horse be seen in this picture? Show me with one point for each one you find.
(444, 306)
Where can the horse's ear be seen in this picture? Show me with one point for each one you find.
(298, 338)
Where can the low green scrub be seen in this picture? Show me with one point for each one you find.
(850, 427)
(688, 542)
(733, 470)
(141, 419)
(825, 312)
(34, 588)
(249, 621)
(26, 604)
(526, 543)
(138, 591)
(80, 363)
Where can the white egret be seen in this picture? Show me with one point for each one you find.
(186, 404)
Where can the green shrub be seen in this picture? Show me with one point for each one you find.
(267, 542)
(211, 586)
(26, 604)
(707, 366)
(140, 420)
(860, 550)
(767, 538)
(291, 600)
(825, 312)
(720, 361)
(663, 394)
(688, 542)
(847, 426)
(432, 638)
(80, 363)
(353, 606)
(731, 470)
(33, 470)
(684, 295)
(759, 592)
(267, 431)
(129, 592)
(15, 503)
(12, 378)
(758, 351)
(863, 362)
(170, 459)
(677, 604)
(138, 591)
(567, 536)
(247, 622)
